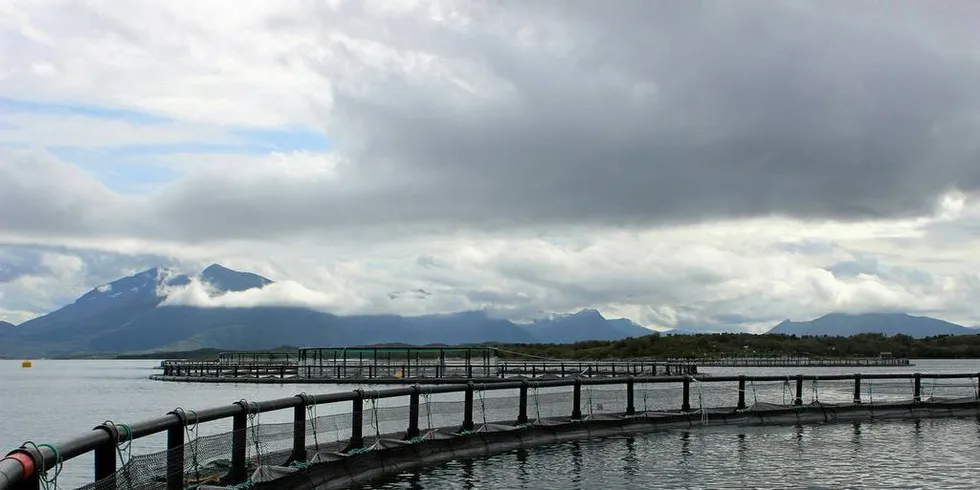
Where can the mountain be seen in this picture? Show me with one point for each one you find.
(224, 279)
(4, 325)
(466, 327)
(129, 315)
(843, 324)
(112, 314)
(584, 325)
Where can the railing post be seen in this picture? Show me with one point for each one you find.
(741, 393)
(630, 406)
(105, 457)
(175, 453)
(299, 428)
(468, 407)
(577, 400)
(239, 443)
(413, 414)
(857, 389)
(357, 421)
(917, 388)
(798, 400)
(686, 404)
(522, 407)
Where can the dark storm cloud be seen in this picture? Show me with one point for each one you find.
(746, 112)
(620, 113)
(657, 112)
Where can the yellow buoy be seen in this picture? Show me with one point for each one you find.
(25, 364)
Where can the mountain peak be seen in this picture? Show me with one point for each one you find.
(588, 313)
(225, 279)
(216, 268)
(143, 284)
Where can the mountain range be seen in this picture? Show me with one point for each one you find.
(844, 325)
(130, 315)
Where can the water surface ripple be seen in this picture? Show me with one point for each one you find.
(933, 454)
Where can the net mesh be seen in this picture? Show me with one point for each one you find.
(206, 458)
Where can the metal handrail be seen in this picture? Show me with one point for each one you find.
(20, 469)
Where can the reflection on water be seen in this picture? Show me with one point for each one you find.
(523, 472)
(576, 457)
(933, 453)
(466, 469)
(631, 463)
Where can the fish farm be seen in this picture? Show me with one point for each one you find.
(337, 440)
(400, 365)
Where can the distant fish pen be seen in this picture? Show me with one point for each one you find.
(797, 361)
(402, 364)
(336, 440)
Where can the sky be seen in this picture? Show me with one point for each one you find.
(684, 164)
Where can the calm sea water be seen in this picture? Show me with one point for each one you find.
(935, 454)
(55, 400)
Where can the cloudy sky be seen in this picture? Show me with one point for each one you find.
(680, 163)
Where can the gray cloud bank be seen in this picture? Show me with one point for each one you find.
(524, 114)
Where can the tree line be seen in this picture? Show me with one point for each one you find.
(658, 346)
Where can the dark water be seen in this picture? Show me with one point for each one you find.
(56, 400)
(934, 454)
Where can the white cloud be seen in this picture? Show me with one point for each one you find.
(661, 278)
(286, 293)
(511, 159)
(188, 60)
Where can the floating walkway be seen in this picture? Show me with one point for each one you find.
(367, 434)
(799, 362)
(400, 365)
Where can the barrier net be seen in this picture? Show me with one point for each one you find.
(206, 460)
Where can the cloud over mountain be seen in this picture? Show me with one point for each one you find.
(680, 163)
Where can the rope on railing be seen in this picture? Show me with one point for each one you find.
(253, 423)
(537, 406)
(375, 424)
(311, 414)
(123, 447)
(483, 408)
(193, 441)
(47, 483)
(588, 396)
(428, 412)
